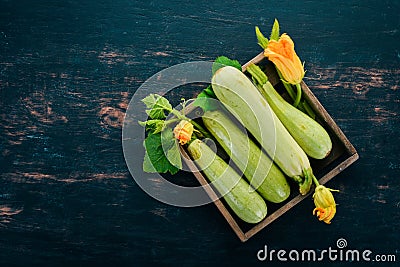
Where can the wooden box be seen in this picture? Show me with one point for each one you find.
(342, 155)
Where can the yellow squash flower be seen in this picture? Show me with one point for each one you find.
(282, 54)
(325, 204)
(183, 131)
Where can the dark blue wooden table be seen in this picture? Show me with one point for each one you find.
(67, 72)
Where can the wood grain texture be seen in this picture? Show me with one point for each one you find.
(67, 72)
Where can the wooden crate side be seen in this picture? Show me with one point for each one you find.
(317, 106)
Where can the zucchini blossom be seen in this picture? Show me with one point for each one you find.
(183, 131)
(282, 54)
(325, 204)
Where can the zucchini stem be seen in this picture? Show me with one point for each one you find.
(287, 86)
(315, 180)
(168, 122)
(303, 105)
(298, 95)
(201, 129)
(317, 184)
(180, 116)
(307, 109)
(257, 74)
(309, 177)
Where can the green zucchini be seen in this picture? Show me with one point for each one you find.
(240, 96)
(308, 133)
(256, 166)
(246, 203)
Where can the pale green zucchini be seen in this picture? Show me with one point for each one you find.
(308, 133)
(256, 166)
(246, 203)
(244, 101)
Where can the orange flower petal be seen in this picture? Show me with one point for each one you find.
(183, 131)
(282, 54)
(325, 215)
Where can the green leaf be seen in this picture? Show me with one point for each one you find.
(206, 93)
(209, 92)
(170, 144)
(167, 138)
(262, 40)
(206, 100)
(156, 126)
(174, 155)
(147, 165)
(223, 61)
(157, 106)
(156, 160)
(205, 103)
(275, 31)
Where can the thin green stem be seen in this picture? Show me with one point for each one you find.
(194, 137)
(201, 129)
(298, 95)
(290, 91)
(287, 85)
(308, 109)
(178, 114)
(168, 122)
(261, 78)
(198, 126)
(315, 181)
(303, 105)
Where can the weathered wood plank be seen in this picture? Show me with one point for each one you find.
(67, 71)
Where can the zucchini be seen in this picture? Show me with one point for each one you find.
(240, 96)
(256, 166)
(308, 133)
(247, 204)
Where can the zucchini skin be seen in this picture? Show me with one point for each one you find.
(257, 167)
(240, 96)
(246, 203)
(308, 133)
